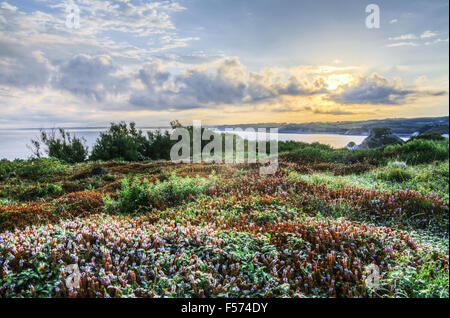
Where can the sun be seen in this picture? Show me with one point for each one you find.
(335, 81)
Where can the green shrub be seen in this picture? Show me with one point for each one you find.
(63, 147)
(428, 280)
(418, 151)
(175, 190)
(137, 195)
(396, 175)
(36, 168)
(6, 169)
(432, 136)
(130, 197)
(48, 189)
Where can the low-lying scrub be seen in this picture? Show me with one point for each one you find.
(142, 195)
(130, 257)
(160, 229)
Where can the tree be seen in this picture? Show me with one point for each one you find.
(63, 147)
(119, 142)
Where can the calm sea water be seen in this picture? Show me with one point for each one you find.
(13, 143)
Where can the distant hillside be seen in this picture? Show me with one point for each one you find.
(399, 126)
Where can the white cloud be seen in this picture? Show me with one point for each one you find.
(437, 41)
(393, 21)
(428, 34)
(7, 6)
(398, 44)
(409, 36)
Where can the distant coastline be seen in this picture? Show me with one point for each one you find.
(402, 127)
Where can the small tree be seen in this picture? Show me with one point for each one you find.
(63, 147)
(120, 142)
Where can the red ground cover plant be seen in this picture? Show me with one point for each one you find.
(19, 216)
(81, 203)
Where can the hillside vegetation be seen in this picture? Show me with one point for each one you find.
(153, 228)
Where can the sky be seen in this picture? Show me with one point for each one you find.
(220, 61)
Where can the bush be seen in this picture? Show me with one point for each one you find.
(175, 190)
(63, 147)
(6, 169)
(137, 195)
(130, 197)
(432, 136)
(396, 175)
(129, 144)
(398, 164)
(418, 151)
(33, 169)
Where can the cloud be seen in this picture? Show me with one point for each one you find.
(194, 87)
(91, 77)
(328, 111)
(403, 39)
(398, 44)
(7, 6)
(420, 80)
(409, 36)
(428, 34)
(225, 82)
(190, 59)
(140, 18)
(437, 41)
(22, 67)
(393, 21)
(376, 89)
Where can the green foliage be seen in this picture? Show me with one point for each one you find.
(33, 169)
(175, 190)
(430, 280)
(37, 279)
(48, 189)
(396, 175)
(119, 142)
(130, 197)
(6, 169)
(380, 132)
(432, 136)
(304, 153)
(158, 145)
(63, 147)
(136, 196)
(430, 178)
(417, 151)
(128, 143)
(422, 149)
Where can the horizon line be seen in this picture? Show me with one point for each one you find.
(220, 125)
